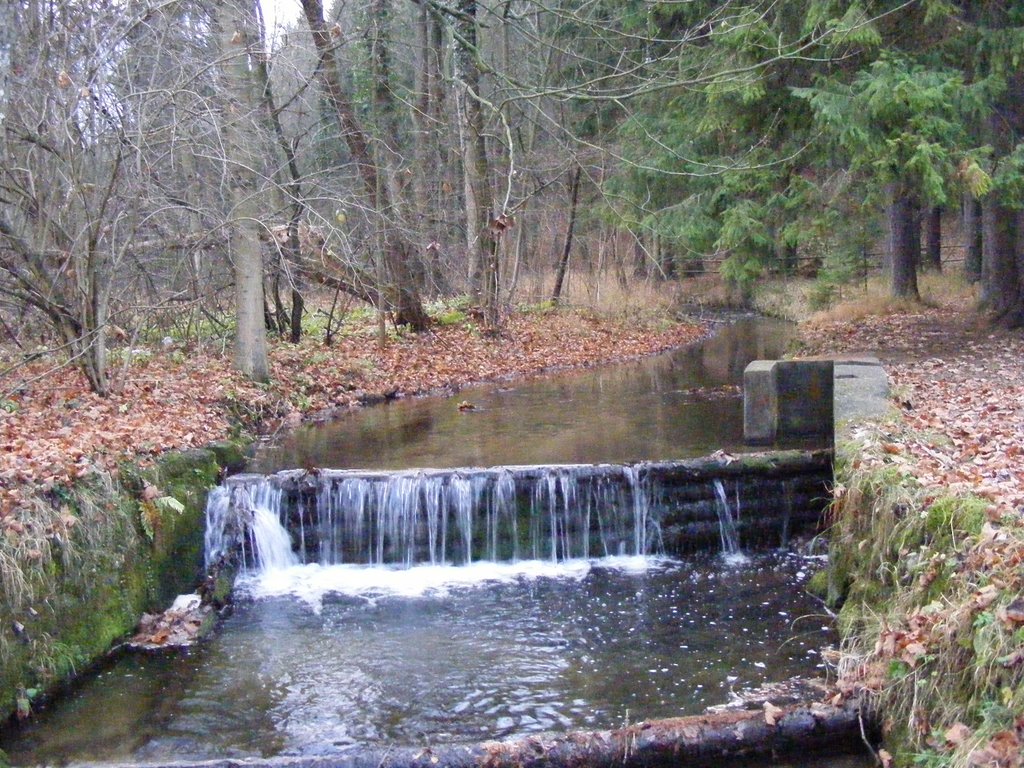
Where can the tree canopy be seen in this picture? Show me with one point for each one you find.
(394, 151)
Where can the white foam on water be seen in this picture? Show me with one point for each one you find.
(311, 583)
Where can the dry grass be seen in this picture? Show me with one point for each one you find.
(795, 298)
(604, 293)
(930, 585)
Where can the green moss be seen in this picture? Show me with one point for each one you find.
(86, 568)
(451, 317)
(950, 520)
(818, 584)
(230, 454)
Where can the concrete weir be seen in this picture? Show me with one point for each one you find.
(551, 512)
(784, 399)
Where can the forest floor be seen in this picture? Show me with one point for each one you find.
(53, 429)
(959, 385)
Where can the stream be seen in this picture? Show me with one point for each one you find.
(317, 657)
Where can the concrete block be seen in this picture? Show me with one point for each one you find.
(805, 396)
(760, 404)
(785, 399)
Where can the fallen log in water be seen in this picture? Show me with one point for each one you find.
(702, 740)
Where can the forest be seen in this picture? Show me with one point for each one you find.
(220, 221)
(178, 170)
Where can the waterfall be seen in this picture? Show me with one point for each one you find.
(727, 521)
(270, 541)
(454, 517)
(465, 516)
(217, 536)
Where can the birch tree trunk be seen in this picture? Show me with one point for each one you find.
(237, 41)
(8, 31)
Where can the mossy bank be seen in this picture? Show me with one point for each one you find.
(929, 591)
(85, 561)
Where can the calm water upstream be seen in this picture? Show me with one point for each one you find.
(316, 658)
(680, 404)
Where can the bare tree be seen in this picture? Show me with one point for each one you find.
(483, 227)
(400, 290)
(239, 48)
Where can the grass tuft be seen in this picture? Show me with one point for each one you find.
(931, 612)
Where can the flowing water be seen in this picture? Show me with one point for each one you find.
(426, 606)
(321, 657)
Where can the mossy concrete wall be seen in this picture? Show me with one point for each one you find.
(82, 564)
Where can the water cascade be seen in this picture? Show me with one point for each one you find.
(513, 513)
(728, 522)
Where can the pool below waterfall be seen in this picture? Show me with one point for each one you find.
(416, 608)
(326, 657)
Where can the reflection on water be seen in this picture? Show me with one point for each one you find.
(589, 648)
(649, 409)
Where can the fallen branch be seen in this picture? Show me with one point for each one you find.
(703, 740)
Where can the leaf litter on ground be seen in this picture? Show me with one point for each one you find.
(54, 430)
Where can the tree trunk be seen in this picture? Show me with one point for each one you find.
(9, 26)
(431, 158)
(904, 241)
(563, 263)
(483, 234)
(236, 19)
(289, 190)
(933, 239)
(1002, 270)
(972, 239)
(998, 262)
(727, 738)
(403, 294)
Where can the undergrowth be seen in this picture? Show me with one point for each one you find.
(802, 299)
(932, 613)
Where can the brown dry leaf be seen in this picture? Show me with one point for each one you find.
(912, 653)
(885, 758)
(957, 734)
(160, 637)
(1002, 751)
(772, 714)
(985, 596)
(1012, 614)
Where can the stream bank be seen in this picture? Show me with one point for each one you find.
(927, 544)
(88, 562)
(928, 589)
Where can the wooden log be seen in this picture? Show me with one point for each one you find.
(699, 741)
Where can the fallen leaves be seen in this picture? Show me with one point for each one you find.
(55, 430)
(960, 431)
(772, 713)
(180, 625)
(965, 429)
